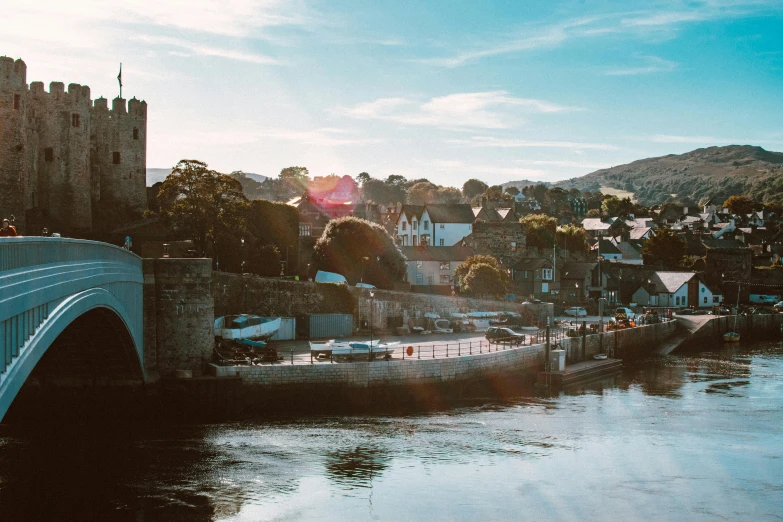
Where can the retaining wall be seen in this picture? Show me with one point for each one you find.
(629, 343)
(522, 361)
(236, 293)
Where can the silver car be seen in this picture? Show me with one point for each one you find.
(575, 311)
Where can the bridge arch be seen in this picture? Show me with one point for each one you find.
(96, 302)
(51, 287)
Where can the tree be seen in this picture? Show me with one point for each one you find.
(739, 205)
(363, 177)
(293, 181)
(664, 249)
(421, 193)
(480, 276)
(616, 207)
(512, 190)
(359, 249)
(593, 213)
(472, 188)
(572, 238)
(201, 203)
(540, 230)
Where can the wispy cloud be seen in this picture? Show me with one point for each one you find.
(711, 140)
(652, 64)
(205, 50)
(635, 24)
(487, 110)
(453, 166)
(489, 141)
(563, 163)
(324, 137)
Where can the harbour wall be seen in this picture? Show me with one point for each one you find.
(750, 327)
(237, 293)
(518, 362)
(623, 344)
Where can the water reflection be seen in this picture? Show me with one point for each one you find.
(645, 442)
(356, 468)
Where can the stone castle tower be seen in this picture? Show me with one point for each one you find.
(65, 163)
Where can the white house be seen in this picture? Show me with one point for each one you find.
(436, 225)
(678, 289)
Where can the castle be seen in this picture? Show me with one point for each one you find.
(66, 163)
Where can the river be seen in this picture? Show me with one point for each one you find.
(695, 436)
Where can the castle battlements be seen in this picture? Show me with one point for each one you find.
(72, 161)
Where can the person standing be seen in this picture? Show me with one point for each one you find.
(8, 229)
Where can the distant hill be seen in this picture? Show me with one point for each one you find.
(155, 175)
(712, 172)
(523, 183)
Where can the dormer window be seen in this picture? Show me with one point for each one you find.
(404, 225)
(415, 225)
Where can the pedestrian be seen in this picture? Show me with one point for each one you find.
(8, 229)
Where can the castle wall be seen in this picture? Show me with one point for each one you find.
(63, 161)
(13, 157)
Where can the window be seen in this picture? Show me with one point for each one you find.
(17, 102)
(304, 230)
(48, 154)
(419, 264)
(513, 246)
(135, 134)
(442, 225)
(525, 274)
(445, 265)
(677, 300)
(419, 279)
(429, 280)
(115, 157)
(546, 274)
(705, 300)
(415, 240)
(425, 240)
(415, 225)
(716, 299)
(76, 120)
(404, 225)
(442, 243)
(444, 279)
(426, 225)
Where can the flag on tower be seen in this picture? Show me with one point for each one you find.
(119, 79)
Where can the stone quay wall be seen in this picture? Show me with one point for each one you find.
(759, 326)
(624, 344)
(520, 361)
(235, 293)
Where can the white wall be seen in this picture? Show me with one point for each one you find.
(451, 233)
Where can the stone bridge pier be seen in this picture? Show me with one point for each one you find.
(178, 316)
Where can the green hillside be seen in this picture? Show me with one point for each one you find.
(713, 172)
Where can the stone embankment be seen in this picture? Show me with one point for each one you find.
(522, 362)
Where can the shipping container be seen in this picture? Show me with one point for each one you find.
(330, 326)
(287, 331)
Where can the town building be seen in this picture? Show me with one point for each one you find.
(431, 268)
(436, 225)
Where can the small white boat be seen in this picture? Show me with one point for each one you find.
(731, 337)
(244, 326)
(360, 350)
(442, 326)
(529, 328)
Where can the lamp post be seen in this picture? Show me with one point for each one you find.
(372, 306)
(242, 241)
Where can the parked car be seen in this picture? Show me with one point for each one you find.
(686, 311)
(503, 335)
(575, 311)
(629, 314)
(778, 306)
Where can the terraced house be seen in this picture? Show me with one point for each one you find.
(435, 225)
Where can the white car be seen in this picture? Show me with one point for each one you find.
(575, 311)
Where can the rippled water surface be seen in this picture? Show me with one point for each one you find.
(691, 437)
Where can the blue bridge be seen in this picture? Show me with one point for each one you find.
(71, 314)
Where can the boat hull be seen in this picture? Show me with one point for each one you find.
(257, 332)
(731, 337)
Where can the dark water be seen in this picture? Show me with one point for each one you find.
(697, 436)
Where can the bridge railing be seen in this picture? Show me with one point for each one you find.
(23, 252)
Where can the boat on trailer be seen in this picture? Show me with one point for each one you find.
(245, 326)
(348, 350)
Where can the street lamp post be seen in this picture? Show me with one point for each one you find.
(361, 277)
(242, 270)
(372, 306)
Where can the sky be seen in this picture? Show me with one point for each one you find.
(447, 90)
